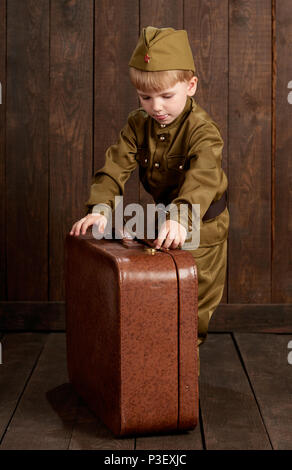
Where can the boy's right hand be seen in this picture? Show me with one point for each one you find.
(82, 225)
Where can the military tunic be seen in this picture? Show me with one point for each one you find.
(179, 163)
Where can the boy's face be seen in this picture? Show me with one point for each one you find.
(165, 106)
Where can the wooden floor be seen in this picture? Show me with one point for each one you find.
(245, 397)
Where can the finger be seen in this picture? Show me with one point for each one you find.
(87, 223)
(77, 226)
(180, 245)
(161, 237)
(180, 241)
(72, 231)
(168, 241)
(175, 243)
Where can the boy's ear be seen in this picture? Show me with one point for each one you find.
(193, 84)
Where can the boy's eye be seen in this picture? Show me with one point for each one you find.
(147, 97)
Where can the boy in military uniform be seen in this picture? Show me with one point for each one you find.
(178, 148)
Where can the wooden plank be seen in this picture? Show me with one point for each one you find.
(114, 95)
(191, 440)
(1, 348)
(263, 318)
(158, 13)
(20, 352)
(2, 150)
(266, 360)
(32, 316)
(46, 413)
(70, 131)
(91, 434)
(27, 149)
(231, 419)
(207, 27)
(282, 255)
(250, 67)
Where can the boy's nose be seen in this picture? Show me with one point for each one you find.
(157, 109)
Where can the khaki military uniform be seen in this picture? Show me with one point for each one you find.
(179, 163)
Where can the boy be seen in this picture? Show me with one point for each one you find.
(179, 149)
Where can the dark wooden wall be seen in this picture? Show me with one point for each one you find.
(65, 96)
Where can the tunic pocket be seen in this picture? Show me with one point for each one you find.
(176, 163)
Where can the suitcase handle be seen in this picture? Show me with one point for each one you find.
(129, 242)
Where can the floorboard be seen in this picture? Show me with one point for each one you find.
(245, 398)
(230, 415)
(266, 360)
(20, 352)
(91, 434)
(46, 412)
(190, 440)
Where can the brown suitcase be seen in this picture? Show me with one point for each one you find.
(131, 324)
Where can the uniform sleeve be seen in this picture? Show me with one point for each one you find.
(204, 178)
(109, 181)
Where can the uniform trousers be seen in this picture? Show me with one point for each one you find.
(211, 265)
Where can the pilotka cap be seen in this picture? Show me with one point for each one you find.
(162, 49)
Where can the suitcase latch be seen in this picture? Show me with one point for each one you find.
(150, 250)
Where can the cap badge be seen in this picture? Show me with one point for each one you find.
(146, 58)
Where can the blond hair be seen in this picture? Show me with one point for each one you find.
(158, 81)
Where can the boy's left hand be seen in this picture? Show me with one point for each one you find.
(171, 235)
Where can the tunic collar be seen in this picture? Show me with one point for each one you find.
(178, 120)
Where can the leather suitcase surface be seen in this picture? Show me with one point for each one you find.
(131, 328)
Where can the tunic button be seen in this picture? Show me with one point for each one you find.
(162, 125)
(156, 164)
(180, 167)
(146, 160)
(162, 137)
